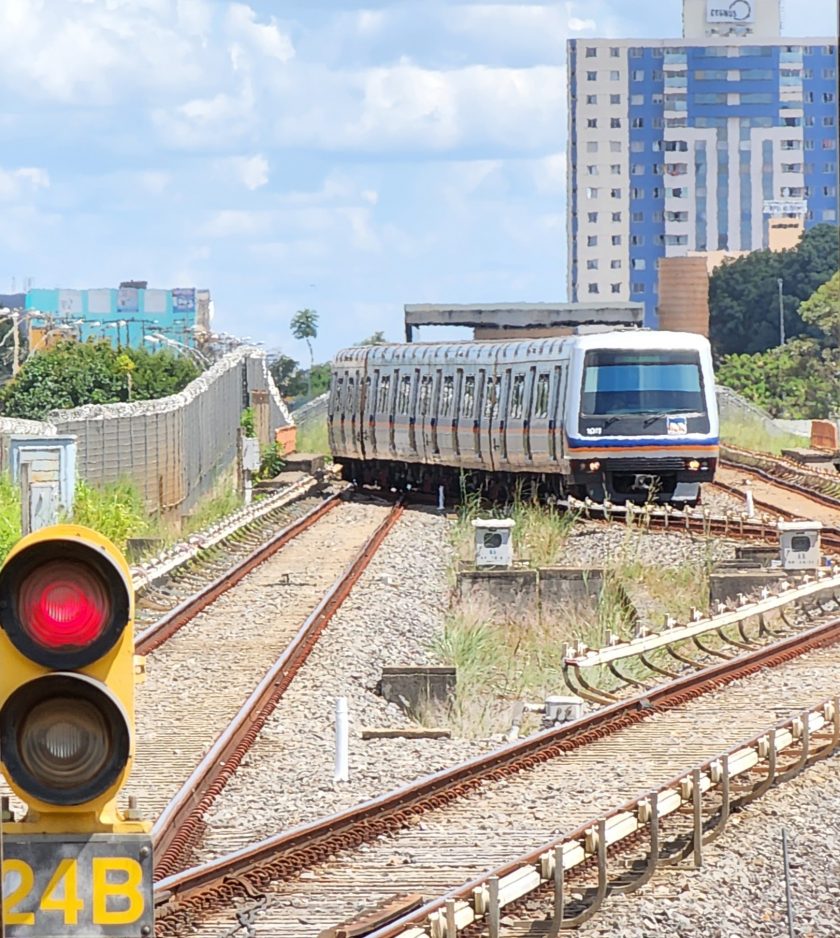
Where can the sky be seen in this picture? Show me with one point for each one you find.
(326, 154)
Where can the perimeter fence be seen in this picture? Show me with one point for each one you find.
(173, 449)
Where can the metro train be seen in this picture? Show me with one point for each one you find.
(624, 415)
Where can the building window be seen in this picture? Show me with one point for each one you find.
(680, 145)
(829, 73)
(592, 99)
(615, 288)
(829, 167)
(615, 52)
(637, 146)
(829, 144)
(656, 52)
(637, 75)
(592, 122)
(615, 99)
(636, 193)
(791, 167)
(592, 217)
(615, 169)
(676, 216)
(656, 123)
(809, 144)
(593, 288)
(657, 216)
(591, 193)
(615, 122)
(591, 52)
(637, 263)
(676, 169)
(616, 216)
(637, 288)
(592, 170)
(592, 263)
(828, 121)
(591, 146)
(637, 99)
(591, 76)
(592, 241)
(637, 240)
(615, 146)
(635, 52)
(830, 191)
(637, 216)
(616, 240)
(829, 214)
(673, 239)
(657, 192)
(656, 169)
(615, 264)
(615, 193)
(637, 169)
(828, 97)
(615, 75)
(638, 122)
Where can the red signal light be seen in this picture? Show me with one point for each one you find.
(63, 605)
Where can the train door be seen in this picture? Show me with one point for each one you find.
(540, 418)
(447, 418)
(434, 417)
(426, 415)
(490, 418)
(516, 418)
(556, 422)
(333, 412)
(412, 413)
(368, 411)
(466, 415)
(392, 413)
(402, 415)
(502, 417)
(478, 452)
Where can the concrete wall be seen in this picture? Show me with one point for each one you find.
(173, 449)
(683, 295)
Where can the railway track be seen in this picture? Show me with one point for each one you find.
(819, 485)
(448, 828)
(258, 641)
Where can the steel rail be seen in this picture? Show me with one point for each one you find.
(214, 884)
(480, 900)
(178, 825)
(823, 487)
(168, 625)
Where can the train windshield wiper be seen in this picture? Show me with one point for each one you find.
(611, 420)
(654, 417)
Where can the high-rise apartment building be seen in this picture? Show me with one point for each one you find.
(695, 144)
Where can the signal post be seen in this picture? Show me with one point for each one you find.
(73, 865)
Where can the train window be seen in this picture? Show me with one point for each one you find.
(350, 399)
(541, 398)
(382, 396)
(468, 406)
(405, 394)
(425, 393)
(447, 393)
(491, 397)
(517, 397)
(339, 393)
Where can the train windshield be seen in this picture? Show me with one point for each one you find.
(622, 381)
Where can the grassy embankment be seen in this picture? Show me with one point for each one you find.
(501, 658)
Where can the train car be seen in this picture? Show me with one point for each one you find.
(625, 415)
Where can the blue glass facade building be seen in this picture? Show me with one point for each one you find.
(693, 145)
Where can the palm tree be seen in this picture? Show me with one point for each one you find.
(305, 326)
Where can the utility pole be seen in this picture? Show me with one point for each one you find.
(781, 284)
(16, 340)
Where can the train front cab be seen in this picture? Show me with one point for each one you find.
(647, 425)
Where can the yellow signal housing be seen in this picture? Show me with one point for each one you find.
(67, 676)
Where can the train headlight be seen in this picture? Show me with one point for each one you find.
(593, 466)
(693, 464)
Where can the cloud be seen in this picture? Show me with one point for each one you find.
(17, 183)
(251, 171)
(266, 39)
(577, 25)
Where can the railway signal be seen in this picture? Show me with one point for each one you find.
(73, 864)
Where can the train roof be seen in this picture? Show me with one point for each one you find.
(520, 349)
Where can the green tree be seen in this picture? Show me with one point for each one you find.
(305, 326)
(744, 293)
(74, 373)
(283, 369)
(822, 310)
(378, 338)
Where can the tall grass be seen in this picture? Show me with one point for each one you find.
(115, 510)
(751, 434)
(9, 514)
(312, 436)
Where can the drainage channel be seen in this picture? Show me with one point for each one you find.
(423, 838)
